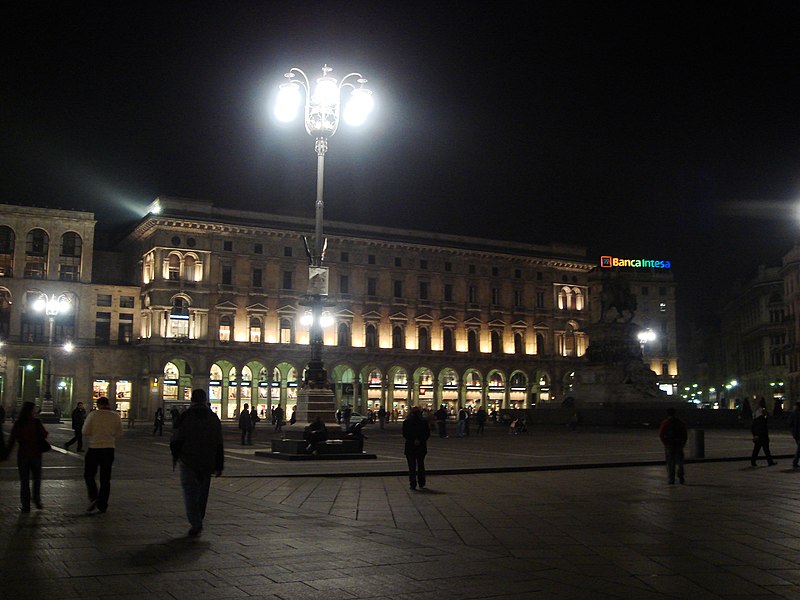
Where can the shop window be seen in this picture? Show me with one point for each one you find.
(7, 241)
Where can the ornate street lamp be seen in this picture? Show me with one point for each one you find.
(52, 306)
(646, 336)
(322, 112)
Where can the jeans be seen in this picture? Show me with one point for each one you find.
(102, 458)
(416, 470)
(195, 494)
(674, 456)
(28, 468)
(460, 426)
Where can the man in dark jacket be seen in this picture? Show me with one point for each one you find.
(246, 426)
(197, 446)
(416, 433)
(78, 417)
(441, 420)
(673, 435)
(760, 431)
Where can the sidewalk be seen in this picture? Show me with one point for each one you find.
(618, 532)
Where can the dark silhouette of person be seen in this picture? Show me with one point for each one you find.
(760, 431)
(794, 427)
(158, 421)
(441, 421)
(246, 426)
(673, 435)
(315, 433)
(278, 417)
(78, 418)
(416, 433)
(28, 431)
(196, 446)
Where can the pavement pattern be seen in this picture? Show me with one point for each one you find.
(549, 514)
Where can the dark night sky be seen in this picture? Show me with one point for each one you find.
(647, 129)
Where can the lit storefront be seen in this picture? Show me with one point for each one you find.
(400, 394)
(374, 390)
(517, 391)
(473, 390)
(496, 392)
(450, 390)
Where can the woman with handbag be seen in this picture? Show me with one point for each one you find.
(30, 434)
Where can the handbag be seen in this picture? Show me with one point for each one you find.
(43, 445)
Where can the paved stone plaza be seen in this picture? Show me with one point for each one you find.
(550, 514)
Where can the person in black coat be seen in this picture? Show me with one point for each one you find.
(794, 427)
(760, 431)
(416, 433)
(78, 417)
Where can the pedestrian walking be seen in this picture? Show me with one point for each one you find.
(673, 435)
(278, 418)
(760, 431)
(462, 422)
(158, 421)
(480, 419)
(78, 419)
(30, 436)
(131, 419)
(196, 446)
(794, 427)
(102, 426)
(246, 426)
(174, 413)
(441, 421)
(382, 417)
(416, 433)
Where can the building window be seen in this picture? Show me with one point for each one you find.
(69, 268)
(517, 298)
(398, 288)
(179, 319)
(472, 341)
(344, 284)
(495, 272)
(448, 266)
(227, 275)
(103, 299)
(517, 273)
(344, 257)
(287, 280)
(497, 342)
(472, 269)
(424, 339)
(287, 251)
(398, 337)
(662, 307)
(227, 245)
(423, 264)
(7, 241)
(448, 340)
(371, 336)
(32, 327)
(102, 328)
(257, 278)
(539, 276)
(372, 286)
(255, 330)
(258, 249)
(473, 294)
(126, 301)
(539, 299)
(36, 247)
(423, 290)
(519, 343)
(287, 331)
(662, 291)
(645, 291)
(371, 259)
(225, 328)
(125, 329)
(448, 292)
(5, 314)
(398, 262)
(174, 267)
(496, 296)
(343, 334)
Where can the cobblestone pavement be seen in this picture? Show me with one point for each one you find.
(503, 517)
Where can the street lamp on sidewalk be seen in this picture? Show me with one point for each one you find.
(322, 112)
(52, 306)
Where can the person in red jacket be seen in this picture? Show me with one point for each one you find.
(28, 432)
(673, 435)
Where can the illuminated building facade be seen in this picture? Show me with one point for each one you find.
(203, 296)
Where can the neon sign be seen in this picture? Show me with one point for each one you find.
(606, 262)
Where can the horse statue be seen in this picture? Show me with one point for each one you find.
(616, 294)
